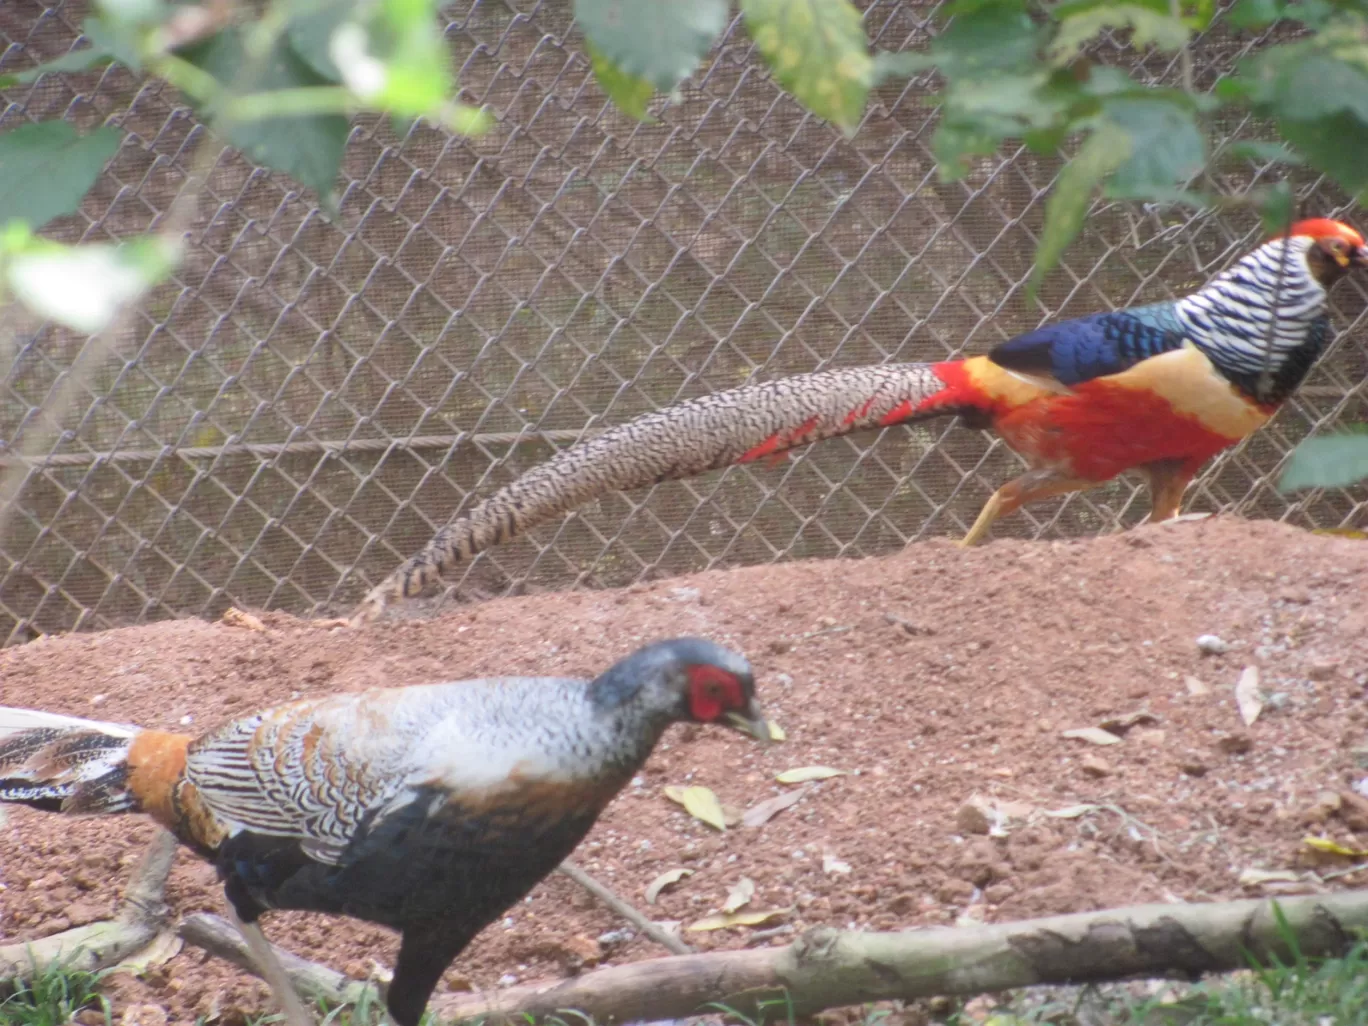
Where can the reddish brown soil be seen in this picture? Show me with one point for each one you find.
(931, 676)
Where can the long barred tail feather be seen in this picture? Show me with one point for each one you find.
(63, 763)
(707, 433)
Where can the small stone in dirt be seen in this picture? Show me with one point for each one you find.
(1193, 767)
(1196, 686)
(902, 903)
(1210, 644)
(579, 951)
(954, 892)
(1235, 744)
(1354, 811)
(1153, 736)
(1322, 670)
(971, 819)
(778, 646)
(615, 937)
(1326, 805)
(144, 1015)
(1094, 766)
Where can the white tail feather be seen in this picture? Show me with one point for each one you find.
(12, 721)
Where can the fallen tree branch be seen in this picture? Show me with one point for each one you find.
(828, 968)
(622, 908)
(310, 979)
(141, 917)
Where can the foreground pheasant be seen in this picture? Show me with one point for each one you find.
(1159, 389)
(429, 809)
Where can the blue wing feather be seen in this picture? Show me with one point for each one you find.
(1092, 347)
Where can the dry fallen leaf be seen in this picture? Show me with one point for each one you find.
(235, 617)
(1196, 686)
(740, 894)
(700, 803)
(1070, 811)
(1342, 532)
(1258, 877)
(762, 812)
(726, 920)
(805, 773)
(1248, 696)
(665, 879)
(1331, 848)
(831, 864)
(776, 732)
(1093, 735)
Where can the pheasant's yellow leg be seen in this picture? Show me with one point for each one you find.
(272, 971)
(1029, 487)
(1168, 480)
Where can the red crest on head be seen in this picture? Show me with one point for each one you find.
(1325, 228)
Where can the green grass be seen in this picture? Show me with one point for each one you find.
(52, 997)
(1297, 992)
(1301, 992)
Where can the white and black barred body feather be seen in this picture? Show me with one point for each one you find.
(1264, 317)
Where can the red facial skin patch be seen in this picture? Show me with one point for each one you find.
(713, 692)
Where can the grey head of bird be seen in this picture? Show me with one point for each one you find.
(689, 680)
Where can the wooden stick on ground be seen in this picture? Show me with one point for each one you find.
(311, 980)
(141, 917)
(828, 968)
(608, 897)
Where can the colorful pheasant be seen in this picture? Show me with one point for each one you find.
(1159, 389)
(429, 809)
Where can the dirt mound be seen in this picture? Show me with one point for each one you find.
(930, 676)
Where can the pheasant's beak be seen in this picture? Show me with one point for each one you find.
(751, 722)
(1359, 258)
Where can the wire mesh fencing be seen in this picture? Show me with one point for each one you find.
(308, 399)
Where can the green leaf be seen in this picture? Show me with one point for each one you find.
(632, 95)
(306, 147)
(1166, 146)
(1276, 206)
(1336, 145)
(992, 39)
(1106, 149)
(1148, 27)
(420, 74)
(311, 36)
(659, 42)
(85, 287)
(1317, 87)
(1264, 152)
(1331, 461)
(957, 141)
(75, 61)
(119, 39)
(1255, 14)
(888, 65)
(47, 168)
(816, 49)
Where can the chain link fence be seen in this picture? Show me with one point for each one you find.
(309, 399)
